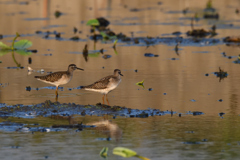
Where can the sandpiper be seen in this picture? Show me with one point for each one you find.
(59, 78)
(106, 84)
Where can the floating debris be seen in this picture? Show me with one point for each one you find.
(150, 55)
(57, 14)
(75, 38)
(221, 74)
(106, 56)
(75, 30)
(221, 114)
(150, 89)
(29, 60)
(196, 113)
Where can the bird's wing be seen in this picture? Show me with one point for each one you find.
(100, 84)
(52, 77)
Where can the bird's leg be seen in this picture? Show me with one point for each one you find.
(56, 91)
(103, 98)
(107, 100)
(56, 98)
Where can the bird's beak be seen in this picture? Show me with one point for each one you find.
(80, 68)
(120, 73)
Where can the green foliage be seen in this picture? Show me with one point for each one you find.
(93, 22)
(107, 37)
(124, 152)
(20, 46)
(3, 52)
(104, 152)
(4, 46)
(140, 83)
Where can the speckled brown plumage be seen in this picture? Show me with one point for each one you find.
(53, 76)
(100, 84)
(106, 84)
(59, 78)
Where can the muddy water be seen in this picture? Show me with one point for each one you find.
(180, 85)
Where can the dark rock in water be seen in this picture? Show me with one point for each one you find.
(1, 36)
(75, 30)
(198, 33)
(211, 16)
(177, 33)
(136, 41)
(142, 115)
(224, 54)
(150, 89)
(221, 114)
(179, 115)
(75, 38)
(28, 88)
(38, 32)
(135, 70)
(149, 55)
(58, 35)
(229, 57)
(173, 58)
(33, 51)
(206, 74)
(220, 100)
(134, 10)
(101, 50)
(57, 14)
(29, 60)
(196, 113)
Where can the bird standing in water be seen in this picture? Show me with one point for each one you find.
(106, 84)
(59, 78)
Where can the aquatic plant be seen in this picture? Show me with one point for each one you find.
(104, 152)
(125, 152)
(20, 46)
(140, 83)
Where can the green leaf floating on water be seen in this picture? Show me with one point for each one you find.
(140, 83)
(4, 46)
(23, 52)
(104, 152)
(3, 52)
(93, 22)
(22, 44)
(125, 152)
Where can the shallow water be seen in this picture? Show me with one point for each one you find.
(178, 82)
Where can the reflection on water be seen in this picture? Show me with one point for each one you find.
(180, 78)
(159, 137)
